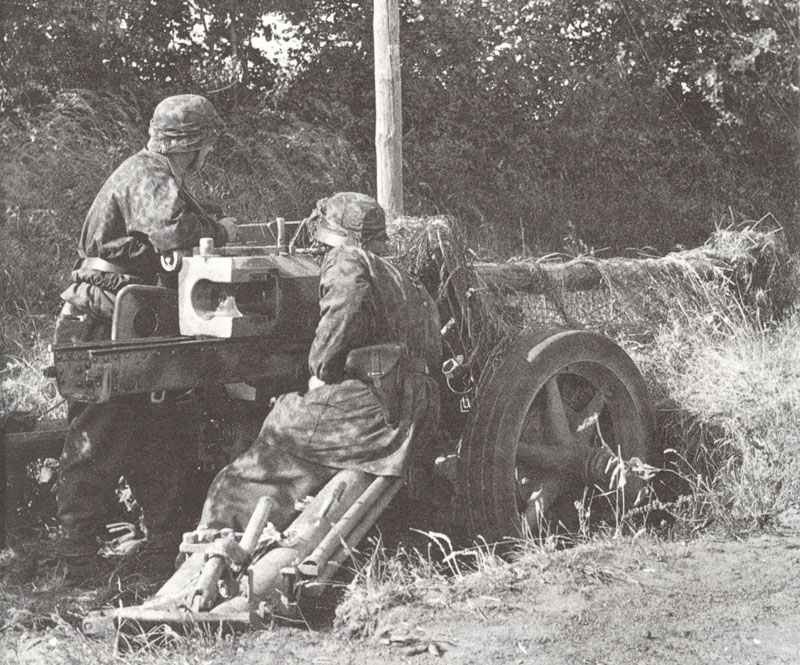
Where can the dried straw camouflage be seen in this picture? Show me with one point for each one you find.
(183, 123)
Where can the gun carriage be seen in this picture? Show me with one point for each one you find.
(513, 455)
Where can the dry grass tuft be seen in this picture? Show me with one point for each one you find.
(744, 387)
(24, 352)
(392, 594)
(435, 576)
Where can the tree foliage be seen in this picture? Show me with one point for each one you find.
(606, 117)
(555, 121)
(136, 44)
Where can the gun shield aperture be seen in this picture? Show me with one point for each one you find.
(237, 296)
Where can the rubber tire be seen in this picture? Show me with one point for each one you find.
(489, 447)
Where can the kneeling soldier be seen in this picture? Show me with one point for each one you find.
(349, 418)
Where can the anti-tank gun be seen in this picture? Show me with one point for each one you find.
(537, 428)
(229, 329)
(241, 316)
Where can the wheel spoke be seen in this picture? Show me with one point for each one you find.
(594, 407)
(526, 453)
(585, 421)
(562, 461)
(557, 414)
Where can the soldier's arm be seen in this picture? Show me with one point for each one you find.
(168, 220)
(347, 314)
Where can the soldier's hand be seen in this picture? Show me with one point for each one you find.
(229, 223)
(314, 382)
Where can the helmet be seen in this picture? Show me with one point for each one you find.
(183, 123)
(349, 218)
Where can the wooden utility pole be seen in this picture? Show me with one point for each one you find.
(388, 106)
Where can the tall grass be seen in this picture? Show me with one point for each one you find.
(743, 384)
(732, 417)
(725, 374)
(24, 352)
(723, 365)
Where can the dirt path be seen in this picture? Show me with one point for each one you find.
(711, 603)
(706, 602)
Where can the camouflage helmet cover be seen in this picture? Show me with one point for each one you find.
(183, 123)
(348, 218)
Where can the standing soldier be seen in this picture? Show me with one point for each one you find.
(344, 420)
(143, 209)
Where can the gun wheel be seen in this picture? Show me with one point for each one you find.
(556, 395)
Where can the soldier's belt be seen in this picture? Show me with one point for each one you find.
(95, 263)
(384, 368)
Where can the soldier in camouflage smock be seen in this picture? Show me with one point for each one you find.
(341, 421)
(143, 209)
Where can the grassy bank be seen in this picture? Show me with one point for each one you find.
(741, 387)
(732, 415)
(727, 387)
(721, 362)
(728, 391)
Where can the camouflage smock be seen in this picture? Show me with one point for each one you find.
(364, 300)
(140, 210)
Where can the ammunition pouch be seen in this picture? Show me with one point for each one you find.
(383, 368)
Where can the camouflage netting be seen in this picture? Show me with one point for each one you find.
(433, 249)
(739, 273)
